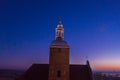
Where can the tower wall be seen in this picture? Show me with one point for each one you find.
(59, 63)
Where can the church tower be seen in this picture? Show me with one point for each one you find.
(59, 56)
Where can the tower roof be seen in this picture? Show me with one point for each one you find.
(59, 43)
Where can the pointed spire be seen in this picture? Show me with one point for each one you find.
(87, 62)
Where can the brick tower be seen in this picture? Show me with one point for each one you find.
(59, 56)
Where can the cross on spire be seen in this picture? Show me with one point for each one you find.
(60, 20)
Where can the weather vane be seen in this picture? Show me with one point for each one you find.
(60, 19)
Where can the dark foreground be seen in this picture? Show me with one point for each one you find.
(14, 74)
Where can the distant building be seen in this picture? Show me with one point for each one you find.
(58, 67)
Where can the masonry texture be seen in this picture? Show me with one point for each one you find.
(59, 63)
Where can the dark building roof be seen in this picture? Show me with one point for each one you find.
(80, 72)
(41, 71)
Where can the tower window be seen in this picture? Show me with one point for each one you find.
(58, 73)
(59, 49)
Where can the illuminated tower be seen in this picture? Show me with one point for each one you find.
(60, 31)
(59, 56)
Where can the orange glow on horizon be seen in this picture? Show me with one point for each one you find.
(106, 67)
(109, 63)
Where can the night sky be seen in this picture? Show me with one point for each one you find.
(92, 29)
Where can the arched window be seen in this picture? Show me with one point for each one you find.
(58, 73)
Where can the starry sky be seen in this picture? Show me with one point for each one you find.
(92, 29)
